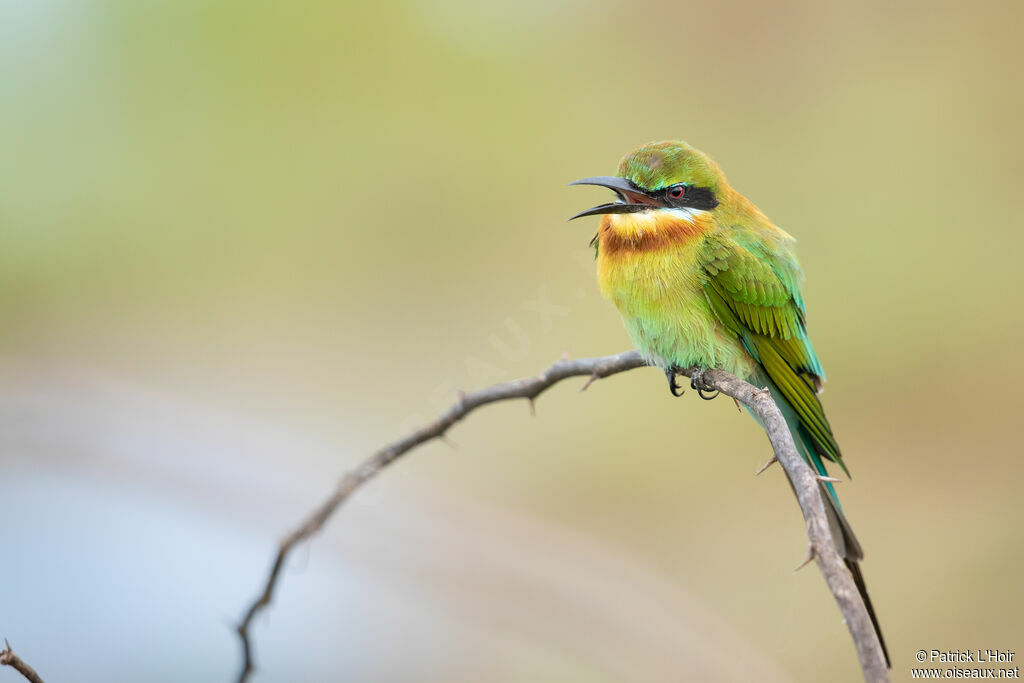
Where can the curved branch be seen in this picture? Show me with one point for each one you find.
(805, 483)
(8, 658)
(529, 389)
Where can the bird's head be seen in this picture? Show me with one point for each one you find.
(661, 176)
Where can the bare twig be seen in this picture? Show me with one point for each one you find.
(8, 658)
(805, 483)
(528, 389)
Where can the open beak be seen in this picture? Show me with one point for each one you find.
(630, 198)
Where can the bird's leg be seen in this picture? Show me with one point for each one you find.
(671, 372)
(701, 385)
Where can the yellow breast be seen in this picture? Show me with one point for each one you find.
(650, 254)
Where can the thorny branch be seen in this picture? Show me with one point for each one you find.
(8, 658)
(807, 485)
(805, 482)
(527, 389)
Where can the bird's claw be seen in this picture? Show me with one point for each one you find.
(701, 385)
(673, 386)
(703, 388)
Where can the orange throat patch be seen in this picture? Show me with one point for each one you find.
(649, 231)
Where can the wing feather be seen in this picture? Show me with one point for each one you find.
(755, 294)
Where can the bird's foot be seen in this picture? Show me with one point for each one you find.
(671, 373)
(701, 385)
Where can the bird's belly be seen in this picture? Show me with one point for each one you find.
(668, 317)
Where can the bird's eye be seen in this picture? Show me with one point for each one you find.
(676, 191)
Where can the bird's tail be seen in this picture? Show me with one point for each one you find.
(858, 579)
(846, 541)
(842, 533)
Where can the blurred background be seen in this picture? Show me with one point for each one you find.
(243, 244)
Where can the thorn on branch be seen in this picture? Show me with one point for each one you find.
(444, 439)
(533, 405)
(807, 558)
(822, 477)
(765, 466)
(590, 380)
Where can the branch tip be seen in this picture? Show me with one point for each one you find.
(8, 658)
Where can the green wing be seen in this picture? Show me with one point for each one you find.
(754, 290)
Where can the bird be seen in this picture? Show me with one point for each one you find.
(704, 280)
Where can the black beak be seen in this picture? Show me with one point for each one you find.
(631, 197)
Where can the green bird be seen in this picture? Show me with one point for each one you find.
(703, 279)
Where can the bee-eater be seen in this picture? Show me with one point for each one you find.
(704, 280)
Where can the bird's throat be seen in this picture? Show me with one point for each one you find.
(652, 230)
